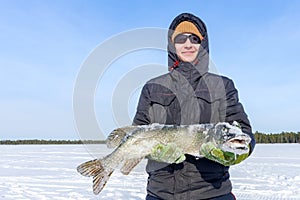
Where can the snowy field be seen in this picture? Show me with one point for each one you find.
(49, 172)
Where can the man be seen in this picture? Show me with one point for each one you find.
(189, 94)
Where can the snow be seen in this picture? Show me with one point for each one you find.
(49, 172)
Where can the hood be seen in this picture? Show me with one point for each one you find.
(202, 61)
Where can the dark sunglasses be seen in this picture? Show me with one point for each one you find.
(181, 39)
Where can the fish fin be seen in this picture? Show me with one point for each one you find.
(90, 168)
(100, 180)
(129, 165)
(116, 137)
(100, 174)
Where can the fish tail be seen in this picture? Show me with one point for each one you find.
(95, 169)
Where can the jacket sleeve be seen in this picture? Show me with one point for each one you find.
(235, 111)
(142, 114)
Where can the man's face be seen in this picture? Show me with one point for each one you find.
(187, 46)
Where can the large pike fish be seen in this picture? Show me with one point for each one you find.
(133, 143)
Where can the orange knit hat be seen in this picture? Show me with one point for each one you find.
(186, 27)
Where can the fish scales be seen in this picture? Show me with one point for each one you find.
(141, 142)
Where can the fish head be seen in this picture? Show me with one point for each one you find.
(230, 138)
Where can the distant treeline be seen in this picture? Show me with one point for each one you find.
(284, 137)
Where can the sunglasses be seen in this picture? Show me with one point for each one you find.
(181, 39)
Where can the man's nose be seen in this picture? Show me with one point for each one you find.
(188, 43)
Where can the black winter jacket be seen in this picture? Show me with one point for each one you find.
(189, 94)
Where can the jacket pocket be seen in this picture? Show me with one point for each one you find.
(209, 96)
(162, 110)
(211, 105)
(164, 99)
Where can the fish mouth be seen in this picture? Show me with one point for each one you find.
(238, 142)
(238, 145)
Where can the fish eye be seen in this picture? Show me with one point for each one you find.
(224, 129)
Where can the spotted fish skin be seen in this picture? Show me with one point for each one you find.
(133, 143)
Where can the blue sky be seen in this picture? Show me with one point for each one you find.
(44, 43)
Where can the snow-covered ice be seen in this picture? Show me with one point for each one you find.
(49, 172)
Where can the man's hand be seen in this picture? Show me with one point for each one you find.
(209, 151)
(168, 153)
